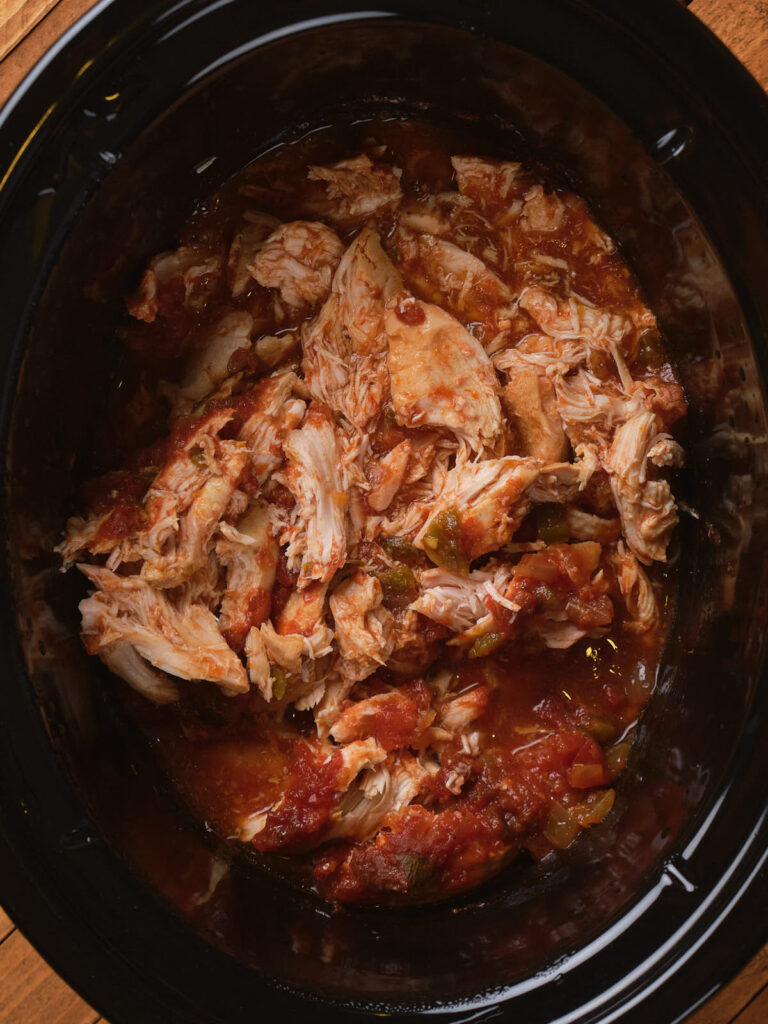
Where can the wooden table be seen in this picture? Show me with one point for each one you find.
(30, 992)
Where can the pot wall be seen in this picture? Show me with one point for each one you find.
(106, 182)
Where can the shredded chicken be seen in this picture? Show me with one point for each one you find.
(316, 478)
(249, 553)
(636, 590)
(530, 401)
(183, 640)
(363, 625)
(440, 375)
(345, 346)
(646, 506)
(357, 188)
(384, 788)
(387, 474)
(208, 365)
(175, 544)
(493, 497)
(441, 272)
(245, 245)
(275, 411)
(193, 272)
(489, 182)
(409, 464)
(299, 259)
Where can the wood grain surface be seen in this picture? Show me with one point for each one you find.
(30, 992)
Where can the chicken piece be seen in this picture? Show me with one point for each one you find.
(289, 668)
(647, 509)
(318, 482)
(257, 662)
(456, 712)
(425, 450)
(294, 651)
(555, 356)
(396, 719)
(182, 640)
(357, 189)
(123, 660)
(206, 586)
(576, 318)
(299, 259)
(332, 701)
(410, 511)
(440, 375)
(273, 349)
(275, 411)
(249, 554)
(585, 526)
(317, 776)
(303, 611)
(245, 245)
(208, 364)
(364, 627)
(543, 212)
(187, 277)
(636, 590)
(491, 183)
(557, 594)
(590, 408)
(666, 452)
(210, 469)
(530, 401)
(84, 535)
(181, 509)
(386, 476)
(441, 272)
(385, 788)
(461, 602)
(561, 482)
(438, 215)
(489, 499)
(356, 757)
(345, 346)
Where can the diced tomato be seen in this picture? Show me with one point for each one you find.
(306, 804)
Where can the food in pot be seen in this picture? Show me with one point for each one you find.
(386, 582)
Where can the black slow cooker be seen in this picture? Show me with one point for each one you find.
(136, 115)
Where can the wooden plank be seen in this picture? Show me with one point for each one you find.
(18, 18)
(756, 1012)
(31, 993)
(6, 925)
(743, 27)
(30, 49)
(730, 1001)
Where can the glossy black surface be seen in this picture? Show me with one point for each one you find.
(108, 150)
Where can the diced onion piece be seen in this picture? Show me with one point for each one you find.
(595, 807)
(649, 351)
(616, 757)
(561, 827)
